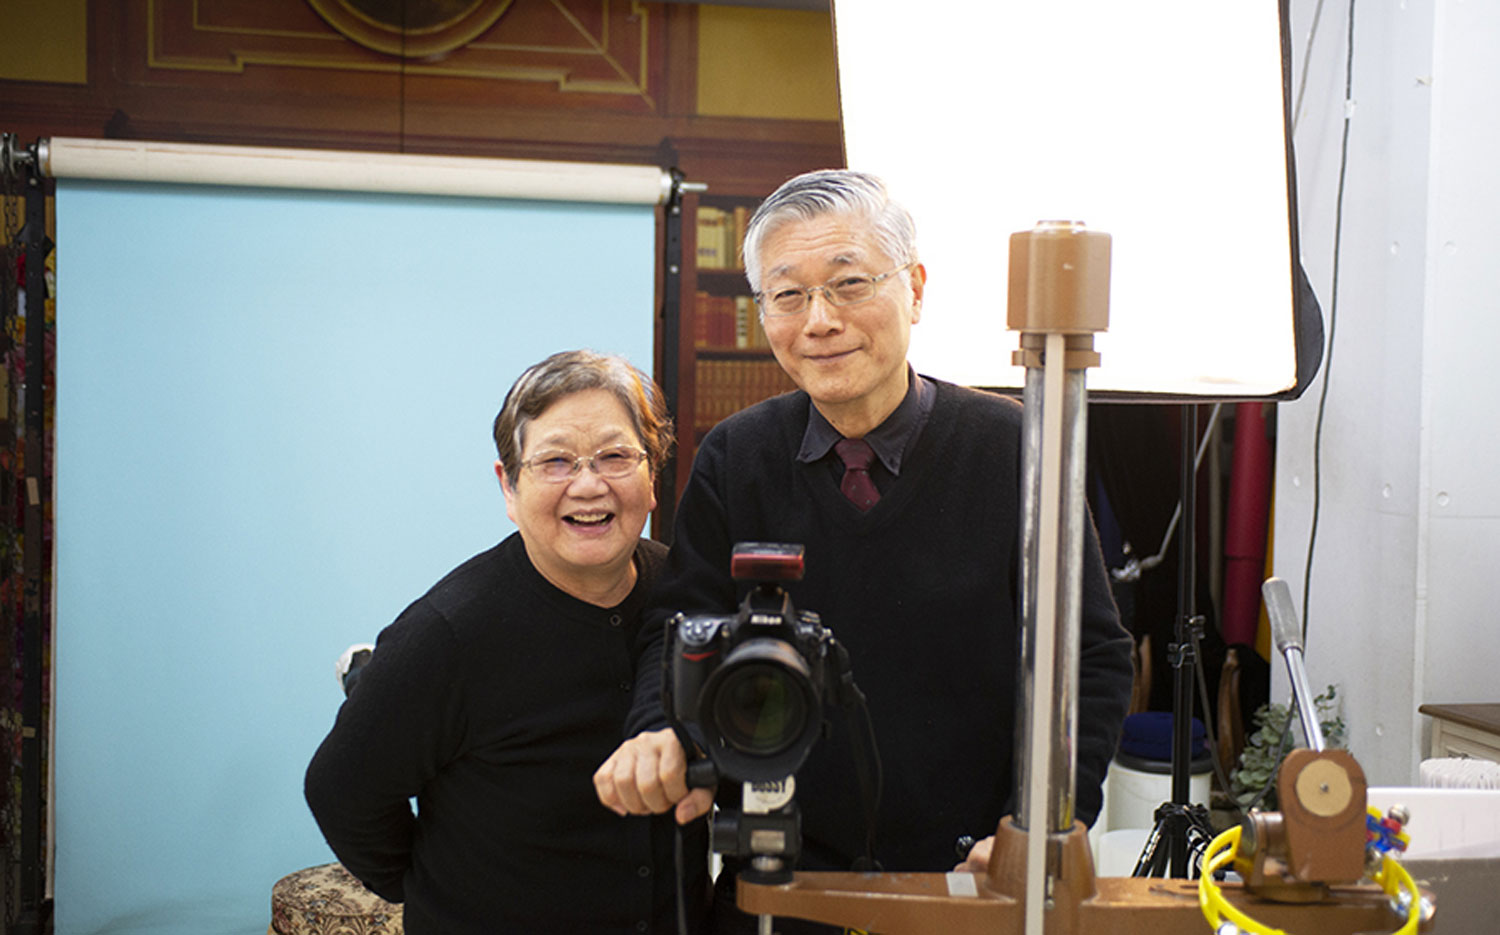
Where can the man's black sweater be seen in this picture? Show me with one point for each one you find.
(492, 699)
(922, 590)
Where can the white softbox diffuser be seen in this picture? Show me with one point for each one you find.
(1161, 123)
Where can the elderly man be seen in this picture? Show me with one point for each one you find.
(917, 575)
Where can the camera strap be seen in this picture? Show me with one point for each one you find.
(693, 752)
(867, 769)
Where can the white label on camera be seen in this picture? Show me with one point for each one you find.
(761, 798)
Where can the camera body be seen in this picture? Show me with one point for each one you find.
(755, 685)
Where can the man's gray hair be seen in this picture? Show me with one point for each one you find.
(569, 372)
(832, 191)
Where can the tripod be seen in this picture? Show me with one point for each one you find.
(1188, 824)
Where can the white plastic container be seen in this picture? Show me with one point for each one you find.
(1134, 788)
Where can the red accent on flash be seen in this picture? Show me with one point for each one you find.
(763, 567)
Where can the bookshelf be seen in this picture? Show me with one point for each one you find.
(713, 357)
(724, 361)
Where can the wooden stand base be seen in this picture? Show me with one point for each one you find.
(987, 904)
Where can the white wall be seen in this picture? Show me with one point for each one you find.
(1404, 570)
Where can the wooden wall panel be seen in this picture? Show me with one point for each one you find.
(594, 80)
(296, 80)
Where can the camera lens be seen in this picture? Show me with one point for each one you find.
(762, 703)
(759, 710)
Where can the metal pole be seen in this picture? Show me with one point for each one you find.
(1063, 595)
(1287, 636)
(669, 373)
(1182, 651)
(1069, 598)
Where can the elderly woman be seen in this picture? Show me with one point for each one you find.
(494, 695)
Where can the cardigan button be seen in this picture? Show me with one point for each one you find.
(615, 620)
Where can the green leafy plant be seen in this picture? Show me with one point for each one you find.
(1259, 761)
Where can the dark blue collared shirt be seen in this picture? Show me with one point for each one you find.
(891, 440)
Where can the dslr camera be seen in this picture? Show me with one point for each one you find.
(754, 685)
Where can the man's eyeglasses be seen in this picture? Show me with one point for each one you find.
(846, 290)
(554, 467)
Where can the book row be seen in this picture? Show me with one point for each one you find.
(721, 236)
(724, 387)
(727, 321)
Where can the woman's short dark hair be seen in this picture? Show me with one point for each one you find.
(569, 372)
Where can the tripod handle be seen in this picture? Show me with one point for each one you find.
(1286, 634)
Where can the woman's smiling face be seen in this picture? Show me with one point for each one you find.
(581, 533)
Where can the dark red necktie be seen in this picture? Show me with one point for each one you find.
(856, 485)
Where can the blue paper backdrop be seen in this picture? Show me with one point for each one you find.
(273, 432)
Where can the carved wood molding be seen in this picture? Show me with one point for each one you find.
(411, 28)
(575, 46)
(348, 104)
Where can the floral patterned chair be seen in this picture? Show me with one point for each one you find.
(327, 900)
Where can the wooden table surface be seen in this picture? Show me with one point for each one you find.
(1479, 716)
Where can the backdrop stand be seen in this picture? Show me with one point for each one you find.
(32, 909)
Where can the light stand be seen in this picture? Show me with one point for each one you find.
(1183, 657)
(1168, 848)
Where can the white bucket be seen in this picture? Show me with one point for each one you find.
(1135, 788)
